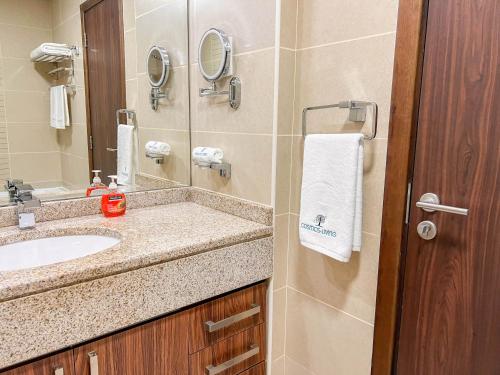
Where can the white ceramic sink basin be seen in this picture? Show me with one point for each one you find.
(50, 250)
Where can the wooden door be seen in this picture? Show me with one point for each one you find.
(450, 319)
(156, 348)
(104, 60)
(57, 364)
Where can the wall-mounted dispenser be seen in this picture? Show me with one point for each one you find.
(215, 62)
(158, 66)
(211, 157)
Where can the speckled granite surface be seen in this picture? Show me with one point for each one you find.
(178, 247)
(64, 209)
(42, 323)
(148, 236)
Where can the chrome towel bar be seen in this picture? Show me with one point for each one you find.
(357, 113)
(130, 116)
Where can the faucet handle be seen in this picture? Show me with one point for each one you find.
(12, 184)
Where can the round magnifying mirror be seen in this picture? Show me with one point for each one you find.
(158, 66)
(214, 55)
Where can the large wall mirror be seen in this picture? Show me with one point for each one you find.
(76, 95)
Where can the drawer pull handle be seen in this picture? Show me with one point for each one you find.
(214, 370)
(212, 327)
(59, 371)
(94, 363)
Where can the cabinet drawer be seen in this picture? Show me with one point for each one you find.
(259, 369)
(232, 355)
(223, 317)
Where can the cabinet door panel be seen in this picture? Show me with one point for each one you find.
(58, 364)
(156, 348)
(223, 308)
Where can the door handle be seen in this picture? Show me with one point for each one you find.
(94, 363)
(111, 149)
(214, 370)
(59, 371)
(212, 327)
(430, 202)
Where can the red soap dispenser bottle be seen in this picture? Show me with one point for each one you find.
(97, 187)
(113, 203)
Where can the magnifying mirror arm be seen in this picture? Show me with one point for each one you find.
(212, 91)
(234, 92)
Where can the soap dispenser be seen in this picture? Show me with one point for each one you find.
(97, 187)
(113, 203)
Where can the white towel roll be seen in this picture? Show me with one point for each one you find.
(157, 148)
(207, 155)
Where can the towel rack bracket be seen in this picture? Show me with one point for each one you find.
(357, 113)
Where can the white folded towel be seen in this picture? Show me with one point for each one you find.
(126, 155)
(331, 199)
(46, 50)
(59, 112)
(207, 155)
(154, 148)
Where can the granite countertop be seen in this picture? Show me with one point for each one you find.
(148, 236)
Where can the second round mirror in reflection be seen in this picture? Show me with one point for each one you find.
(213, 54)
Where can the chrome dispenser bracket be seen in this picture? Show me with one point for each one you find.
(224, 168)
(234, 92)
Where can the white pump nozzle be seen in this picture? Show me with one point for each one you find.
(112, 184)
(96, 179)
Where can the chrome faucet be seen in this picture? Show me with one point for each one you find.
(25, 200)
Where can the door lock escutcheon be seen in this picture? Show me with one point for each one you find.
(427, 230)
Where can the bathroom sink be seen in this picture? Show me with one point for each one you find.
(50, 250)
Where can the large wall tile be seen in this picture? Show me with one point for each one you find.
(173, 111)
(144, 6)
(294, 368)
(327, 21)
(176, 165)
(73, 140)
(75, 171)
(251, 159)
(32, 138)
(278, 366)
(279, 311)
(288, 32)
(27, 106)
(255, 114)
(128, 15)
(283, 161)
(69, 31)
(23, 75)
(286, 93)
(130, 54)
(359, 70)
(166, 27)
(324, 340)
(350, 287)
(280, 258)
(35, 167)
(32, 13)
(250, 23)
(17, 41)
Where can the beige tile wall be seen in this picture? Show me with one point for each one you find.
(163, 23)
(331, 50)
(245, 134)
(73, 141)
(28, 146)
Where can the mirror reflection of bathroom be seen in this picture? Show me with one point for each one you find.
(65, 73)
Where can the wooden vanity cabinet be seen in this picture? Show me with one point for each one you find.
(156, 348)
(225, 336)
(57, 364)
